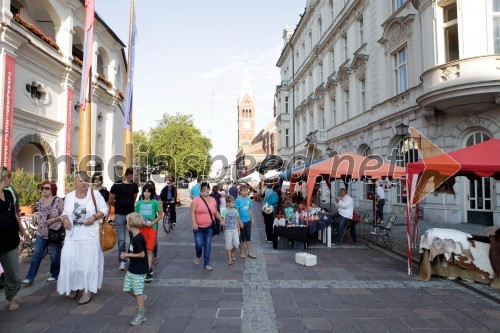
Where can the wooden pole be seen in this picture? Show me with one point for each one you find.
(85, 134)
(127, 132)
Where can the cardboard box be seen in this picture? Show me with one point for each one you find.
(306, 259)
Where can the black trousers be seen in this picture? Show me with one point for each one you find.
(380, 209)
(269, 221)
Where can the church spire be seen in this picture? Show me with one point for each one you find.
(246, 85)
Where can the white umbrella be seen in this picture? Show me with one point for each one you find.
(272, 174)
(254, 177)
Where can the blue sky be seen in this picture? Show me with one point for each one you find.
(189, 51)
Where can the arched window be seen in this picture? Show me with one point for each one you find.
(479, 193)
(407, 153)
(310, 41)
(320, 28)
(330, 8)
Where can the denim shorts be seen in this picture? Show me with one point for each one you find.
(134, 282)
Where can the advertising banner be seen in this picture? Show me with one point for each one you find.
(8, 110)
(69, 129)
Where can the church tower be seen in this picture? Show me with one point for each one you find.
(246, 114)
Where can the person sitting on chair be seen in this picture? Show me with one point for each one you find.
(345, 205)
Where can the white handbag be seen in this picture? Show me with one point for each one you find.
(267, 208)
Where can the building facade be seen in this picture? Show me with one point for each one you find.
(41, 60)
(353, 70)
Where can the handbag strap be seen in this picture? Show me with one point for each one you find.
(209, 211)
(93, 199)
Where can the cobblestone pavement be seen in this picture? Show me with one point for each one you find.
(351, 289)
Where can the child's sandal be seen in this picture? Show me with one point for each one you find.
(230, 262)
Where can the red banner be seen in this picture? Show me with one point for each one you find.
(8, 110)
(69, 129)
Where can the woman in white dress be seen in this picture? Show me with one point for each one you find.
(82, 261)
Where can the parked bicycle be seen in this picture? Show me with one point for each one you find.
(27, 246)
(167, 222)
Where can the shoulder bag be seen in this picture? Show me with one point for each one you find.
(56, 236)
(107, 235)
(267, 208)
(215, 222)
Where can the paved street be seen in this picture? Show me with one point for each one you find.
(352, 289)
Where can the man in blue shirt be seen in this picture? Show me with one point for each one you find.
(195, 190)
(233, 191)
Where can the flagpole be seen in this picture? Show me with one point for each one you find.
(85, 133)
(127, 132)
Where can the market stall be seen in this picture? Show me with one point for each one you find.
(437, 173)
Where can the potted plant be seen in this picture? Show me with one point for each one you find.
(27, 186)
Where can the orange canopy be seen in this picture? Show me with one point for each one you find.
(348, 165)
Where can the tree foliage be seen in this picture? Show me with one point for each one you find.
(176, 145)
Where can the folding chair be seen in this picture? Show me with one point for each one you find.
(345, 231)
(382, 231)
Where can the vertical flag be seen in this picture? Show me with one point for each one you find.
(130, 81)
(8, 110)
(87, 51)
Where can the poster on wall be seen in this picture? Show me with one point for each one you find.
(8, 110)
(69, 130)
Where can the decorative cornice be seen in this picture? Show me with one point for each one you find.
(310, 100)
(396, 30)
(343, 77)
(331, 85)
(319, 94)
(450, 73)
(358, 65)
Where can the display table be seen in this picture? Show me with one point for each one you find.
(457, 258)
(295, 233)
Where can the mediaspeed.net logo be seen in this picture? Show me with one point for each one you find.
(438, 167)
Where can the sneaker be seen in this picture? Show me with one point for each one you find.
(26, 281)
(148, 279)
(173, 224)
(197, 261)
(138, 319)
(51, 279)
(208, 268)
(122, 266)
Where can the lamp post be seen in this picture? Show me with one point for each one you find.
(402, 130)
(329, 151)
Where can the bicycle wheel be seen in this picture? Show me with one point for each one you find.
(166, 223)
(26, 251)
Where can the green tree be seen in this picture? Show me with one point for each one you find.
(178, 146)
(142, 151)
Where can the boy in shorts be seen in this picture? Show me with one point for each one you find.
(138, 267)
(232, 223)
(243, 204)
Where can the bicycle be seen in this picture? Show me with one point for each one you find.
(27, 246)
(167, 223)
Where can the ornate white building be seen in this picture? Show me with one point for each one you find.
(41, 50)
(352, 70)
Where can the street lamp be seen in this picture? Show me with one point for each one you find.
(402, 130)
(329, 151)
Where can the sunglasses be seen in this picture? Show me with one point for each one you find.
(45, 188)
